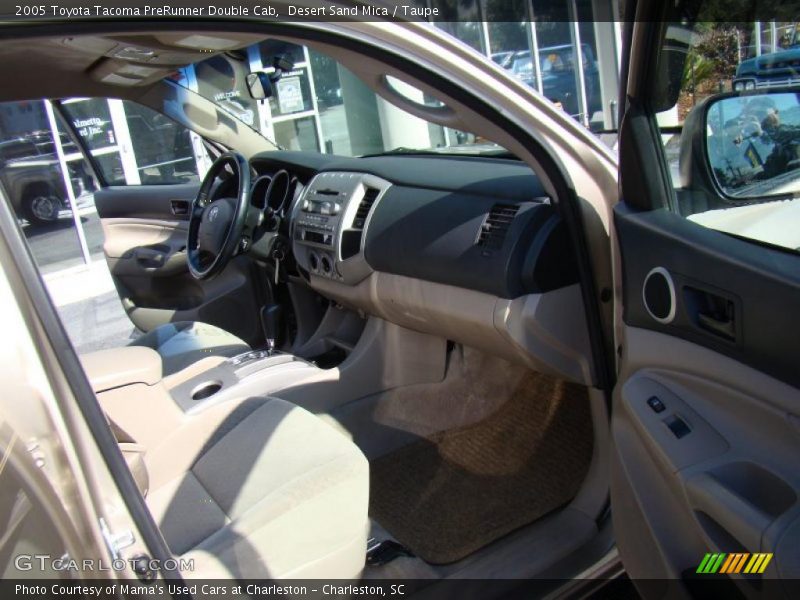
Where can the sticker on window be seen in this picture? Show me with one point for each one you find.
(290, 95)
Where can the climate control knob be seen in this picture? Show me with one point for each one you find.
(327, 267)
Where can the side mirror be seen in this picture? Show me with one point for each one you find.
(752, 143)
(259, 83)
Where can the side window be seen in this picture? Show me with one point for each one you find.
(734, 148)
(133, 144)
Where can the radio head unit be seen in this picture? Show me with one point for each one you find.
(330, 221)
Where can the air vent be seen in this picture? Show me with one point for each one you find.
(370, 194)
(351, 239)
(495, 228)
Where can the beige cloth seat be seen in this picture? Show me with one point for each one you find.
(183, 343)
(279, 494)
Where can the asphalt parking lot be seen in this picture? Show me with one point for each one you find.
(84, 295)
(55, 246)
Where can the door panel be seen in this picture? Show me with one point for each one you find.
(728, 485)
(705, 418)
(705, 489)
(145, 246)
(761, 284)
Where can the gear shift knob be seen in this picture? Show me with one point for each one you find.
(272, 325)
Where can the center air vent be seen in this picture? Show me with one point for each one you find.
(352, 239)
(370, 194)
(495, 228)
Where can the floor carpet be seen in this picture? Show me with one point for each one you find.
(450, 495)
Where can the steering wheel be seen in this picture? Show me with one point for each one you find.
(215, 228)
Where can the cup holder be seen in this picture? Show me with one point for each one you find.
(206, 390)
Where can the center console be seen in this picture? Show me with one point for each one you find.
(249, 374)
(329, 224)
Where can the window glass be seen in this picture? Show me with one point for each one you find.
(162, 148)
(318, 105)
(292, 93)
(222, 80)
(297, 134)
(728, 96)
(462, 20)
(90, 118)
(33, 182)
(556, 36)
(160, 151)
(271, 49)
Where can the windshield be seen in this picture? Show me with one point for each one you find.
(318, 105)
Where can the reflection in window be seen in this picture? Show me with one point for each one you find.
(291, 94)
(222, 80)
(330, 102)
(163, 149)
(91, 119)
(297, 134)
(33, 185)
(462, 20)
(271, 49)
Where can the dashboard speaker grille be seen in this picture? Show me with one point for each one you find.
(496, 225)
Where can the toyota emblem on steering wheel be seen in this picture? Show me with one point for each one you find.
(212, 214)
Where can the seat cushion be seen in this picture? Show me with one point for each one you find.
(281, 494)
(185, 342)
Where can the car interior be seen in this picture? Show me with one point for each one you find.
(524, 362)
(369, 367)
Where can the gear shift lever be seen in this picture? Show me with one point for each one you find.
(271, 321)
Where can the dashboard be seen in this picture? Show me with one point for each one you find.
(474, 223)
(470, 249)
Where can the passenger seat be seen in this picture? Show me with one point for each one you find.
(279, 494)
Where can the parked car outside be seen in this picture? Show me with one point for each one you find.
(773, 69)
(559, 78)
(31, 174)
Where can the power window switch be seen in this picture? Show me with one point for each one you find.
(656, 405)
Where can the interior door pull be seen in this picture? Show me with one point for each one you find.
(712, 312)
(179, 207)
(724, 326)
(738, 517)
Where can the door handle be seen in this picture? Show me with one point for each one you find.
(734, 514)
(179, 207)
(711, 312)
(724, 326)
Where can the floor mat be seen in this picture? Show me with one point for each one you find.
(450, 495)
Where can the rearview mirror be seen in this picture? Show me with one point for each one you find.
(753, 143)
(259, 85)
